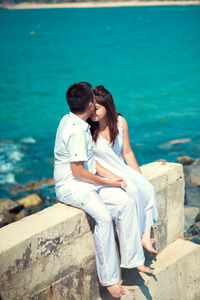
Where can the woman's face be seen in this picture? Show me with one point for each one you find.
(99, 114)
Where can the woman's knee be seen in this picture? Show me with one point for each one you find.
(133, 190)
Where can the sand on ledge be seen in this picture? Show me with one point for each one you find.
(33, 5)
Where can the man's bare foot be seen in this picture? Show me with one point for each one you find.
(144, 269)
(116, 290)
(147, 245)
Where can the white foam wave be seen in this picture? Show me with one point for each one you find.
(28, 140)
(5, 167)
(10, 157)
(6, 147)
(8, 178)
(15, 155)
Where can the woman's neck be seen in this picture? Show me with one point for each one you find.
(103, 124)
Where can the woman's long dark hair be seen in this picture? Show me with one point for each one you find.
(103, 97)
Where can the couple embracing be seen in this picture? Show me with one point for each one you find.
(95, 169)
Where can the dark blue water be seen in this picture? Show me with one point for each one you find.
(148, 57)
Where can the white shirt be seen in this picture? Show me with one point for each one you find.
(73, 143)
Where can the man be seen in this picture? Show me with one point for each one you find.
(77, 184)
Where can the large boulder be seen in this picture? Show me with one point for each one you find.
(10, 206)
(191, 213)
(8, 211)
(31, 200)
(20, 215)
(197, 219)
(6, 219)
(192, 173)
(185, 160)
(192, 195)
(195, 228)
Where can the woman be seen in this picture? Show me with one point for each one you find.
(111, 147)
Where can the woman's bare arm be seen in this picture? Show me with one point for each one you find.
(126, 149)
(105, 172)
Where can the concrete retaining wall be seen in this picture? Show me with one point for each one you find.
(50, 255)
(176, 275)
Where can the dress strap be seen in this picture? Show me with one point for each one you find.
(120, 122)
(120, 136)
(118, 144)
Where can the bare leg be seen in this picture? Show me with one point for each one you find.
(147, 242)
(116, 290)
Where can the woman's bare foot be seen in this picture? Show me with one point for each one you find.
(116, 290)
(144, 269)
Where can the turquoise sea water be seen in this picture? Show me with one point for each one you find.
(148, 57)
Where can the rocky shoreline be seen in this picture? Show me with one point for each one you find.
(27, 200)
(34, 197)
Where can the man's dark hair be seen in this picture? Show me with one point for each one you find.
(78, 97)
(85, 83)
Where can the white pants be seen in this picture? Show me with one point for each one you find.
(104, 206)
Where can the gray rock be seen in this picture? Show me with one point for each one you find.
(8, 205)
(192, 195)
(6, 218)
(195, 228)
(20, 215)
(192, 173)
(190, 213)
(8, 211)
(197, 219)
(185, 160)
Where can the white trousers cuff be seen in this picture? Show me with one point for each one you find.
(110, 282)
(135, 265)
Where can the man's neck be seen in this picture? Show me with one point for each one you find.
(84, 116)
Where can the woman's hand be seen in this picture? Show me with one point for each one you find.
(124, 184)
(117, 182)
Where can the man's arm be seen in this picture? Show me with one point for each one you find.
(77, 146)
(81, 173)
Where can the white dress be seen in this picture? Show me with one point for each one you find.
(138, 187)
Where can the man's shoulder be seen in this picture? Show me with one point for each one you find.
(64, 119)
(69, 125)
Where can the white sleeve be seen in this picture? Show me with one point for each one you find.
(77, 147)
